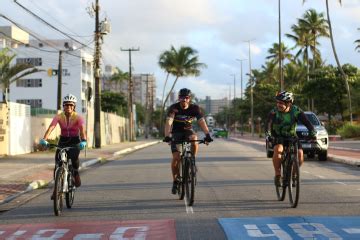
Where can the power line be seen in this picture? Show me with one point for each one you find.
(48, 24)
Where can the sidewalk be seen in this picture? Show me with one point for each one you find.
(22, 173)
(347, 156)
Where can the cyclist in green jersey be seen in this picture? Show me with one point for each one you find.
(281, 123)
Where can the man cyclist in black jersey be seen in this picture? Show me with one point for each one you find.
(178, 127)
(281, 123)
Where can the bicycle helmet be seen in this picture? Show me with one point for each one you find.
(184, 92)
(285, 96)
(69, 98)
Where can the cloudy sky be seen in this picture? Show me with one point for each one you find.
(218, 30)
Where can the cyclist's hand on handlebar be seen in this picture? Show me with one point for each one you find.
(268, 136)
(82, 145)
(167, 139)
(44, 143)
(208, 138)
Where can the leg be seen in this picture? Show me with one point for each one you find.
(73, 154)
(175, 165)
(300, 156)
(194, 145)
(278, 150)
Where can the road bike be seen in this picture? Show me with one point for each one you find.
(290, 172)
(64, 185)
(187, 169)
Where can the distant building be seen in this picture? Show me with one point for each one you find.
(39, 90)
(12, 37)
(144, 86)
(213, 106)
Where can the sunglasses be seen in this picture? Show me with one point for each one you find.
(184, 97)
(68, 105)
(280, 102)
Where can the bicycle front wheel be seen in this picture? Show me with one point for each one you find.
(58, 191)
(181, 181)
(192, 179)
(70, 195)
(294, 183)
(281, 190)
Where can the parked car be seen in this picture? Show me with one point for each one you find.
(317, 146)
(219, 132)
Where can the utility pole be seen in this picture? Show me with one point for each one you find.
(147, 100)
(251, 93)
(130, 99)
(59, 92)
(97, 103)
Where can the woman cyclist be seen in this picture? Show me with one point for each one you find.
(72, 133)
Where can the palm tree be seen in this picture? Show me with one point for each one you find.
(165, 62)
(314, 23)
(358, 45)
(180, 63)
(11, 73)
(343, 75)
(274, 53)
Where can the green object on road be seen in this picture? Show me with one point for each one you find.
(221, 133)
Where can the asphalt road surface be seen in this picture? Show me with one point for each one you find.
(129, 198)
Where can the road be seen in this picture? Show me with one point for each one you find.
(130, 196)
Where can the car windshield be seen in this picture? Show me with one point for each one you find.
(312, 118)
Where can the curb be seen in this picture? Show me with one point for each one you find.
(331, 157)
(41, 183)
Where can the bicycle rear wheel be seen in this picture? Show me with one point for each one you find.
(58, 191)
(294, 183)
(281, 190)
(70, 195)
(181, 185)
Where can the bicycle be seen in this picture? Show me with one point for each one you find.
(290, 172)
(187, 169)
(64, 180)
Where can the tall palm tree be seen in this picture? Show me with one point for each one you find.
(274, 53)
(314, 24)
(165, 62)
(180, 63)
(10, 73)
(343, 75)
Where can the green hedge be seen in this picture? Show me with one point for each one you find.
(349, 131)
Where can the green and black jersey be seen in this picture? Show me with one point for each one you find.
(283, 124)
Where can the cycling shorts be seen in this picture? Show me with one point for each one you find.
(180, 136)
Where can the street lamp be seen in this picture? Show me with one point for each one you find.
(251, 93)
(241, 76)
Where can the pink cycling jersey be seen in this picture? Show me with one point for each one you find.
(71, 128)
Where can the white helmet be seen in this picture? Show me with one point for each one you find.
(69, 98)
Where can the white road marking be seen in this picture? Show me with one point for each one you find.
(340, 183)
(189, 209)
(319, 176)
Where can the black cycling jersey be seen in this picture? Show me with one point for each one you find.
(183, 117)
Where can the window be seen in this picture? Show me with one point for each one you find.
(37, 103)
(33, 82)
(32, 61)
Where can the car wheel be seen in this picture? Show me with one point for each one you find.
(322, 155)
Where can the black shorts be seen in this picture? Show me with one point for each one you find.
(180, 136)
(282, 141)
(72, 153)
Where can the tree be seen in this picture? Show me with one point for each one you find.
(113, 102)
(274, 53)
(11, 73)
(344, 77)
(180, 63)
(119, 76)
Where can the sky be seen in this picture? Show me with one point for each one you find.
(218, 29)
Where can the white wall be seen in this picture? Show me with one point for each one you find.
(19, 129)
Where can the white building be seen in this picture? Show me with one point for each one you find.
(40, 89)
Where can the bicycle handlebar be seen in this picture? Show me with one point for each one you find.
(51, 145)
(187, 141)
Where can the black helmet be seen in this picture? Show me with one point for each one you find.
(184, 92)
(285, 96)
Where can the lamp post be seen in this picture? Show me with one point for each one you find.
(251, 93)
(241, 76)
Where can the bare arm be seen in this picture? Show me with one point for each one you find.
(82, 133)
(203, 125)
(168, 125)
(48, 132)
